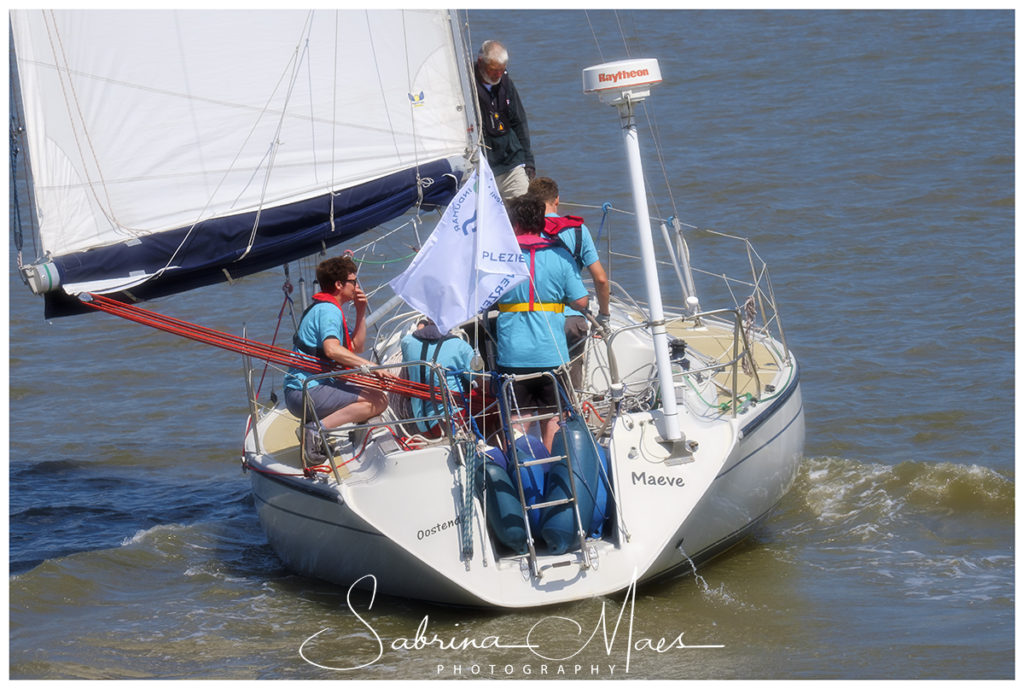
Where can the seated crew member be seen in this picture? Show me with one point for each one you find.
(531, 322)
(575, 236)
(324, 332)
(427, 343)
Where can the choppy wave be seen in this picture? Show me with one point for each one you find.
(934, 530)
(851, 493)
(154, 534)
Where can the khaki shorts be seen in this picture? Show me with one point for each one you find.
(512, 183)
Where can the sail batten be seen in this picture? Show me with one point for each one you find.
(163, 126)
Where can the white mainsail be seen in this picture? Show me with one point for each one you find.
(145, 122)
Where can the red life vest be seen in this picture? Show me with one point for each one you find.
(554, 225)
(318, 351)
(533, 243)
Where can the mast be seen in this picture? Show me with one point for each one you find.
(21, 165)
(465, 62)
(624, 84)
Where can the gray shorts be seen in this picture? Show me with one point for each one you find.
(325, 398)
(577, 328)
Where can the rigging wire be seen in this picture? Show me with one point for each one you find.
(594, 34)
(413, 104)
(622, 34)
(334, 118)
(648, 110)
(276, 143)
(280, 316)
(312, 112)
(15, 201)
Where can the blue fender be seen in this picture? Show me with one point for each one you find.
(504, 514)
(602, 508)
(528, 447)
(558, 523)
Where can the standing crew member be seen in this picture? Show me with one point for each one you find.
(575, 236)
(506, 135)
(531, 323)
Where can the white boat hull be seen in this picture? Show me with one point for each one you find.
(397, 515)
(757, 475)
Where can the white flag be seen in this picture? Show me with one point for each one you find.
(470, 259)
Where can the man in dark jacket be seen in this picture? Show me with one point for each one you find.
(506, 134)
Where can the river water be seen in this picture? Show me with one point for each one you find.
(869, 156)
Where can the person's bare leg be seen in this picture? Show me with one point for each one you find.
(522, 427)
(550, 429)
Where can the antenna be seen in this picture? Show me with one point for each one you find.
(624, 81)
(623, 84)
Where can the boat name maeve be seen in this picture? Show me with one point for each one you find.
(616, 636)
(651, 480)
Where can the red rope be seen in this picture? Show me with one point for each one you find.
(273, 340)
(259, 350)
(587, 406)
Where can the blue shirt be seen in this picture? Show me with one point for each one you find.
(588, 254)
(453, 353)
(536, 339)
(320, 323)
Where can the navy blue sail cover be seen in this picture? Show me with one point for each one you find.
(286, 233)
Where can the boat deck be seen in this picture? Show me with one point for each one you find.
(717, 344)
(713, 342)
(280, 439)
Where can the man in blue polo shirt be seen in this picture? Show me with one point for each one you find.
(324, 333)
(531, 319)
(576, 238)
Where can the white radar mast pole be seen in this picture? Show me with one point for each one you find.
(623, 84)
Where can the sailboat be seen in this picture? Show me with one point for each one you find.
(198, 163)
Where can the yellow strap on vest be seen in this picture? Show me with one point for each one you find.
(537, 306)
